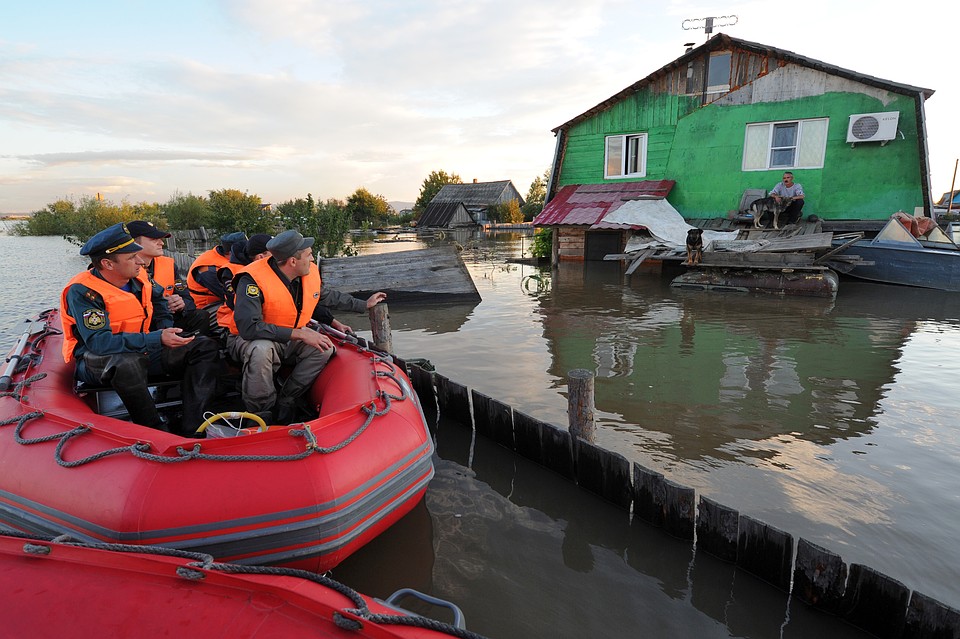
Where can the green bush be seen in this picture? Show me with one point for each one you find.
(542, 243)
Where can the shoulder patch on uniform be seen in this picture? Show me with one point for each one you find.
(94, 319)
(253, 290)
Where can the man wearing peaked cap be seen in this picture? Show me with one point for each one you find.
(111, 240)
(202, 280)
(119, 331)
(275, 298)
(164, 271)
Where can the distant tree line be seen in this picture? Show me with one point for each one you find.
(233, 210)
(223, 211)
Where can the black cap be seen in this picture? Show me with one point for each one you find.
(111, 240)
(142, 228)
(287, 244)
(257, 243)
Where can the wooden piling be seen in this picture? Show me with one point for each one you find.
(580, 411)
(765, 551)
(875, 602)
(380, 327)
(927, 618)
(819, 577)
(718, 529)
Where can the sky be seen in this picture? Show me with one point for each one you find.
(141, 100)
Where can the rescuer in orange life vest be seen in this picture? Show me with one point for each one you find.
(202, 281)
(274, 300)
(164, 271)
(120, 331)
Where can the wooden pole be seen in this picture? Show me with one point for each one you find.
(952, 183)
(580, 411)
(380, 327)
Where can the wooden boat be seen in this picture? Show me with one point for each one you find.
(304, 495)
(895, 256)
(60, 588)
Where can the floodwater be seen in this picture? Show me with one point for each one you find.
(833, 420)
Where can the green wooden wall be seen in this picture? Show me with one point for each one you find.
(702, 148)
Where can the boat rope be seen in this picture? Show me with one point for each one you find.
(199, 562)
(22, 384)
(142, 450)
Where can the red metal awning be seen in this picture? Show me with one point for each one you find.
(587, 204)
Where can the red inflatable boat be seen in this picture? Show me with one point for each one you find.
(304, 495)
(58, 588)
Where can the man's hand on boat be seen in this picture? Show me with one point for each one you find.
(340, 326)
(171, 337)
(312, 338)
(374, 299)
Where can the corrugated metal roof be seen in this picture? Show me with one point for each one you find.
(588, 203)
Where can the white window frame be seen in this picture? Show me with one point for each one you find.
(625, 157)
(820, 123)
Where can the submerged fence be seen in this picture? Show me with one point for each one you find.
(816, 576)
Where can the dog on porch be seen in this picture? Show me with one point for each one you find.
(694, 246)
(770, 205)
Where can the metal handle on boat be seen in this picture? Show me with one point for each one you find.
(352, 338)
(458, 620)
(14, 357)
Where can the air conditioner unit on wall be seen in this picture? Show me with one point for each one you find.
(873, 127)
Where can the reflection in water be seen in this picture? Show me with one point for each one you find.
(527, 555)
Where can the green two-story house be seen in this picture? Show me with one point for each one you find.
(732, 115)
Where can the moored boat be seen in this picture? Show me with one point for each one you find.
(897, 256)
(305, 495)
(61, 588)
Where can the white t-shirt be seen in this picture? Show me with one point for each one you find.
(785, 191)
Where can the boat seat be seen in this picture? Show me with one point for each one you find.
(164, 390)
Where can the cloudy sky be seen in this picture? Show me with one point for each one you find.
(141, 99)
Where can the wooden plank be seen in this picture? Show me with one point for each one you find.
(810, 242)
(769, 260)
(638, 260)
(431, 273)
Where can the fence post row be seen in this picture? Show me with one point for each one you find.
(867, 599)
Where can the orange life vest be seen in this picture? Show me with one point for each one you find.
(201, 295)
(278, 305)
(225, 312)
(164, 274)
(127, 313)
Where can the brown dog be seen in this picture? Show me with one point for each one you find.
(694, 246)
(768, 205)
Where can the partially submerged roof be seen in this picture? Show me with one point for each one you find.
(588, 204)
(440, 213)
(723, 42)
(477, 193)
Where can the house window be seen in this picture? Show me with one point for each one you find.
(626, 156)
(718, 74)
(796, 144)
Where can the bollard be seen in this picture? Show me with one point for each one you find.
(580, 405)
(380, 327)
